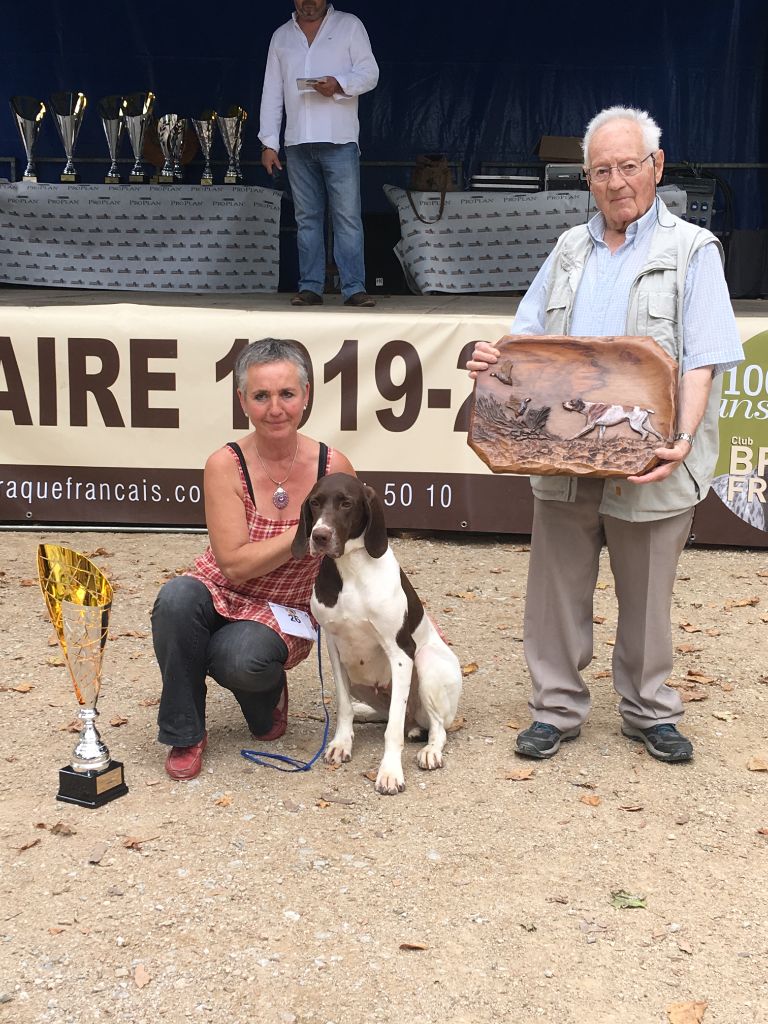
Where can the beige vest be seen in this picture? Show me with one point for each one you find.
(655, 309)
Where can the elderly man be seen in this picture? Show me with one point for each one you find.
(634, 269)
(318, 64)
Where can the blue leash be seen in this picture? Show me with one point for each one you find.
(265, 758)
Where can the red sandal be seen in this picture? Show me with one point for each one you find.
(279, 719)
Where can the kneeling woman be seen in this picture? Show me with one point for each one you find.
(215, 620)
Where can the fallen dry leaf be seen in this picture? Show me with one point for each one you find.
(223, 801)
(22, 688)
(698, 677)
(413, 945)
(762, 831)
(132, 632)
(149, 702)
(757, 764)
(685, 947)
(54, 930)
(598, 619)
(591, 799)
(27, 846)
(134, 842)
(630, 807)
(689, 627)
(469, 668)
(600, 585)
(688, 648)
(713, 631)
(692, 693)
(61, 828)
(687, 1013)
(322, 803)
(723, 716)
(602, 675)
(519, 774)
(74, 726)
(101, 553)
(55, 661)
(140, 976)
(117, 721)
(371, 774)
(514, 724)
(742, 602)
(28, 583)
(458, 723)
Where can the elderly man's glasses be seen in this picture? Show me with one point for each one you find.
(627, 169)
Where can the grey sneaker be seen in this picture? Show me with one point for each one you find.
(542, 739)
(663, 742)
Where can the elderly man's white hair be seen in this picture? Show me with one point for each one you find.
(649, 128)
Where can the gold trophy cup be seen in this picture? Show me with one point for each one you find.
(79, 599)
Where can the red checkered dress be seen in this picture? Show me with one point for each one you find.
(290, 584)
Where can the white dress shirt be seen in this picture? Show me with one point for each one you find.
(340, 49)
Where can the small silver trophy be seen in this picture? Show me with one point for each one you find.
(170, 135)
(111, 111)
(231, 128)
(68, 109)
(204, 126)
(138, 110)
(28, 115)
(79, 599)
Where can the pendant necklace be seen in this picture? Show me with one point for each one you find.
(280, 496)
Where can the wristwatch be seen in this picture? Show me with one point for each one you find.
(683, 436)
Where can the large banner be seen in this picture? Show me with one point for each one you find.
(109, 412)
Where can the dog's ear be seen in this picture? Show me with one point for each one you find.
(300, 544)
(375, 536)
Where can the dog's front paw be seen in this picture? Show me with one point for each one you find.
(339, 751)
(429, 758)
(390, 780)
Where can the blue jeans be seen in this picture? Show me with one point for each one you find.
(193, 641)
(314, 170)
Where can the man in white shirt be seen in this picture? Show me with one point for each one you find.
(318, 63)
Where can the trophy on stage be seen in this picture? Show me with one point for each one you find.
(68, 109)
(170, 135)
(204, 126)
(231, 128)
(111, 111)
(28, 114)
(138, 110)
(79, 599)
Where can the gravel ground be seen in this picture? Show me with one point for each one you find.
(476, 896)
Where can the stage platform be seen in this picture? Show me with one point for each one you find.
(112, 400)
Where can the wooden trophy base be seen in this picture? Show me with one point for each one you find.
(91, 789)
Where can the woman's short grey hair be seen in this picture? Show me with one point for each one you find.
(649, 128)
(270, 350)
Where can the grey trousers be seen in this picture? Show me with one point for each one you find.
(565, 549)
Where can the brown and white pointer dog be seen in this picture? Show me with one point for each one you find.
(379, 637)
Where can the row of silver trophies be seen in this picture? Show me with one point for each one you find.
(132, 113)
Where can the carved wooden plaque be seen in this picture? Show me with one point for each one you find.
(578, 406)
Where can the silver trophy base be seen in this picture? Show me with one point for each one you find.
(91, 789)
